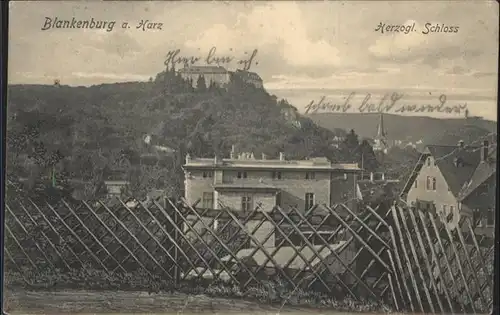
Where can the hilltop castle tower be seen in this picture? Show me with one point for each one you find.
(381, 144)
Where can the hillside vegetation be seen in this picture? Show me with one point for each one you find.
(60, 132)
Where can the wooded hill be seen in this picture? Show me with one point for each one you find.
(90, 132)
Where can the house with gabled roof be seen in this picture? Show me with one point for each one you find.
(451, 180)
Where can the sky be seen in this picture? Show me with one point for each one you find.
(304, 50)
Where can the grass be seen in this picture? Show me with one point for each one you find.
(270, 292)
(275, 293)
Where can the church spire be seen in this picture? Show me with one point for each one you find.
(381, 130)
(380, 143)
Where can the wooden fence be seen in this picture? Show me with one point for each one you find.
(406, 258)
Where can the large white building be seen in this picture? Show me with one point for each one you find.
(218, 75)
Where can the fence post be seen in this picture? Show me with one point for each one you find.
(176, 235)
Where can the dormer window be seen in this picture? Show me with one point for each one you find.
(458, 162)
(484, 187)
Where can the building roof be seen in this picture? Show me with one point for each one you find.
(316, 164)
(285, 253)
(446, 157)
(204, 70)
(371, 191)
(482, 173)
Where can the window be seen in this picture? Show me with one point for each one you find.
(246, 203)
(309, 201)
(276, 175)
(444, 209)
(431, 183)
(483, 189)
(207, 200)
(278, 199)
(428, 161)
(242, 174)
(207, 174)
(490, 217)
(310, 175)
(415, 184)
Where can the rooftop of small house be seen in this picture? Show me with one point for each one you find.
(246, 160)
(457, 164)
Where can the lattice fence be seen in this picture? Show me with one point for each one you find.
(443, 266)
(363, 254)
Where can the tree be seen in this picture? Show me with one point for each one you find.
(351, 141)
(366, 157)
(201, 84)
(350, 146)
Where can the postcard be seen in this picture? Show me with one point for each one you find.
(251, 157)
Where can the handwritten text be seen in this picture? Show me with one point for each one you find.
(387, 103)
(174, 57)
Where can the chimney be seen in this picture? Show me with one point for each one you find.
(233, 151)
(383, 176)
(216, 160)
(484, 150)
(282, 156)
(461, 144)
(264, 156)
(188, 158)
